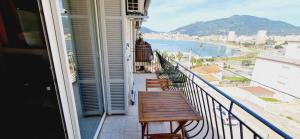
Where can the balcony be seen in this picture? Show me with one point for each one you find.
(223, 116)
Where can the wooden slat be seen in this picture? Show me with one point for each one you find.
(165, 107)
(157, 83)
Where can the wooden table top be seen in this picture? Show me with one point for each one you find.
(158, 106)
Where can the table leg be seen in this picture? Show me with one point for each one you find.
(180, 126)
(182, 133)
(171, 127)
(144, 125)
(147, 130)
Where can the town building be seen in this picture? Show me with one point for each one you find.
(77, 63)
(282, 74)
(231, 37)
(292, 50)
(261, 37)
(212, 73)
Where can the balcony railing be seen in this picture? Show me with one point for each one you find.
(223, 116)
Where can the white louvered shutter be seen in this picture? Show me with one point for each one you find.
(115, 48)
(86, 55)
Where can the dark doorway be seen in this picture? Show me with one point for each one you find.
(31, 104)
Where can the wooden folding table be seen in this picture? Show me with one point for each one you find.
(165, 107)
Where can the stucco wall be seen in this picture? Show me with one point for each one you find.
(292, 50)
(281, 76)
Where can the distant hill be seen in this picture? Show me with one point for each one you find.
(241, 24)
(147, 30)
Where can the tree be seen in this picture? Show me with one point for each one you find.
(278, 47)
(179, 56)
(199, 62)
(246, 62)
(248, 44)
(210, 59)
(270, 42)
(226, 66)
(193, 60)
(164, 54)
(172, 57)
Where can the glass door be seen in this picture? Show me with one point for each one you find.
(27, 83)
(82, 49)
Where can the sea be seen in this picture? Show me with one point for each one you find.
(201, 49)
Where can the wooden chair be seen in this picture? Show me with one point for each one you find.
(165, 136)
(157, 83)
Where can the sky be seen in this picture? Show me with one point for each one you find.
(167, 15)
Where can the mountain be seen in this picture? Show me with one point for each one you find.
(241, 24)
(147, 30)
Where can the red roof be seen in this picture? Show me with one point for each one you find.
(258, 91)
(207, 69)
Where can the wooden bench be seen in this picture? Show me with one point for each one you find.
(157, 83)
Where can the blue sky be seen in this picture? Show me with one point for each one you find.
(166, 15)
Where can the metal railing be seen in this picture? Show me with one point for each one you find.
(223, 116)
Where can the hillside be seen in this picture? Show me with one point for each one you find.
(147, 30)
(241, 24)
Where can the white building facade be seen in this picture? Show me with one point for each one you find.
(231, 36)
(261, 37)
(102, 34)
(280, 73)
(292, 50)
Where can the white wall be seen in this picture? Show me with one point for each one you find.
(129, 51)
(292, 50)
(281, 76)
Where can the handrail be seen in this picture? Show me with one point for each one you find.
(252, 113)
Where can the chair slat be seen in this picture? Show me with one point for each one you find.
(157, 83)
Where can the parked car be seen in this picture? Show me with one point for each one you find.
(225, 117)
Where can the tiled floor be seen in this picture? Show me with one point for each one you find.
(127, 126)
(88, 126)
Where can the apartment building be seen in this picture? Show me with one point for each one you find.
(88, 45)
(285, 73)
(67, 65)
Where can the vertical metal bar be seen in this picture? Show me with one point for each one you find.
(202, 113)
(229, 117)
(222, 121)
(241, 130)
(189, 90)
(193, 94)
(205, 114)
(197, 99)
(209, 110)
(216, 121)
(185, 85)
(254, 136)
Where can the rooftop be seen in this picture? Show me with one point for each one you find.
(280, 60)
(213, 68)
(209, 77)
(258, 91)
